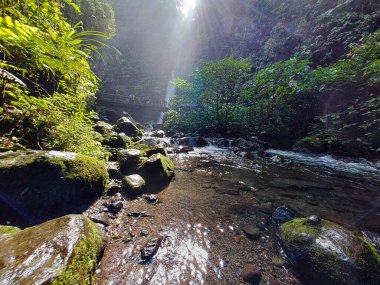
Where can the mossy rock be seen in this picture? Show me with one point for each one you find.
(60, 251)
(310, 144)
(103, 128)
(129, 159)
(45, 184)
(148, 150)
(133, 185)
(326, 253)
(125, 125)
(157, 169)
(115, 140)
(8, 230)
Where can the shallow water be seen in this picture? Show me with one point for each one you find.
(202, 213)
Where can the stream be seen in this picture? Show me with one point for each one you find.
(215, 195)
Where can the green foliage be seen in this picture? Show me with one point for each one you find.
(284, 101)
(49, 84)
(209, 101)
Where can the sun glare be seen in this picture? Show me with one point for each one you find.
(188, 7)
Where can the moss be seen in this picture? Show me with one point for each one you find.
(83, 168)
(311, 142)
(295, 229)
(370, 263)
(83, 264)
(147, 150)
(8, 230)
(167, 164)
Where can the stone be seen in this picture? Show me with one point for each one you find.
(133, 185)
(63, 251)
(129, 159)
(246, 145)
(327, 253)
(158, 169)
(115, 207)
(149, 150)
(115, 140)
(113, 170)
(125, 125)
(252, 232)
(151, 247)
(42, 185)
(103, 128)
(138, 214)
(150, 199)
(282, 215)
(251, 274)
(279, 261)
(158, 134)
(314, 220)
(114, 186)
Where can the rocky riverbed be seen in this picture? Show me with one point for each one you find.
(223, 218)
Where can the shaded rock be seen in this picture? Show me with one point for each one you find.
(252, 232)
(114, 186)
(125, 125)
(327, 253)
(157, 127)
(133, 185)
(158, 134)
(138, 214)
(181, 149)
(114, 152)
(151, 248)
(129, 159)
(157, 169)
(115, 140)
(282, 215)
(251, 274)
(148, 150)
(50, 183)
(246, 144)
(193, 141)
(103, 128)
(113, 170)
(63, 250)
(115, 207)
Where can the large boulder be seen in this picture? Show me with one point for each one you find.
(115, 140)
(41, 185)
(129, 159)
(326, 253)
(103, 128)
(133, 185)
(157, 169)
(60, 251)
(148, 150)
(125, 125)
(246, 144)
(193, 141)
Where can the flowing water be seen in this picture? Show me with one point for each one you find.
(202, 214)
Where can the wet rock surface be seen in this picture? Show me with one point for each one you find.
(326, 253)
(50, 251)
(133, 185)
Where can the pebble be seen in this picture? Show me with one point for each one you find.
(251, 274)
(252, 232)
(279, 261)
(151, 248)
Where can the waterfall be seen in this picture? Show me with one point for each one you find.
(168, 95)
